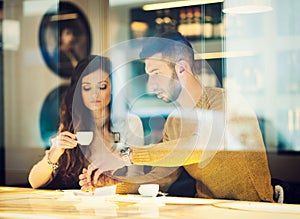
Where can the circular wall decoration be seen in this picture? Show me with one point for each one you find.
(64, 38)
(49, 117)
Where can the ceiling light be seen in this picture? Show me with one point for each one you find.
(177, 4)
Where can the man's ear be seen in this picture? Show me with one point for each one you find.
(181, 67)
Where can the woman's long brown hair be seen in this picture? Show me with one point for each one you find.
(74, 159)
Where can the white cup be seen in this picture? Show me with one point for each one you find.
(105, 190)
(84, 137)
(149, 190)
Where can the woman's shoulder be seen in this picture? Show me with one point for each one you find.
(133, 117)
(129, 122)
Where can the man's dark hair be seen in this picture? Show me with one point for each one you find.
(172, 45)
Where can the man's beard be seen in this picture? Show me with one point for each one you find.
(174, 88)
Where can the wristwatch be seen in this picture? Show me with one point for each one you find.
(125, 155)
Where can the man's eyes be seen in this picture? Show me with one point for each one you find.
(154, 73)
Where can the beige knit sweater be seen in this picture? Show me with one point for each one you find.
(234, 168)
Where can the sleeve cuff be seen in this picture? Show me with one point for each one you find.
(141, 156)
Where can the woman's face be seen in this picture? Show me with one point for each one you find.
(96, 90)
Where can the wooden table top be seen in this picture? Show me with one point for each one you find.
(34, 203)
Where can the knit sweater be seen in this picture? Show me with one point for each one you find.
(232, 165)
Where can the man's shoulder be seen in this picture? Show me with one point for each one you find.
(214, 90)
(215, 93)
(216, 97)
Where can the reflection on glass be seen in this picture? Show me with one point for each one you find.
(269, 79)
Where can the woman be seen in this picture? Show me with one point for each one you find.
(85, 107)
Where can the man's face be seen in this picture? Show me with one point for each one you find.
(162, 80)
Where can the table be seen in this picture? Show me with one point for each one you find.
(34, 203)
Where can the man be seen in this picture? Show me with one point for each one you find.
(228, 162)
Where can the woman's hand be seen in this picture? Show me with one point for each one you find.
(64, 140)
(92, 178)
(85, 181)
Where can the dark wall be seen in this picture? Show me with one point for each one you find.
(2, 158)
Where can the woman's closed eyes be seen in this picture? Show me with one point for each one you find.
(100, 86)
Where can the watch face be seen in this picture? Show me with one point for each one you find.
(125, 151)
(64, 38)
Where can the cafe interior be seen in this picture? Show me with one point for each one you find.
(250, 47)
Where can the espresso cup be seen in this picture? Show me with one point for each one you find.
(149, 190)
(84, 137)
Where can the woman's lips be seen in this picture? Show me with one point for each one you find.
(96, 101)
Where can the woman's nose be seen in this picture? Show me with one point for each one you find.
(95, 93)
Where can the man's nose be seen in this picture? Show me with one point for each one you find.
(152, 84)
